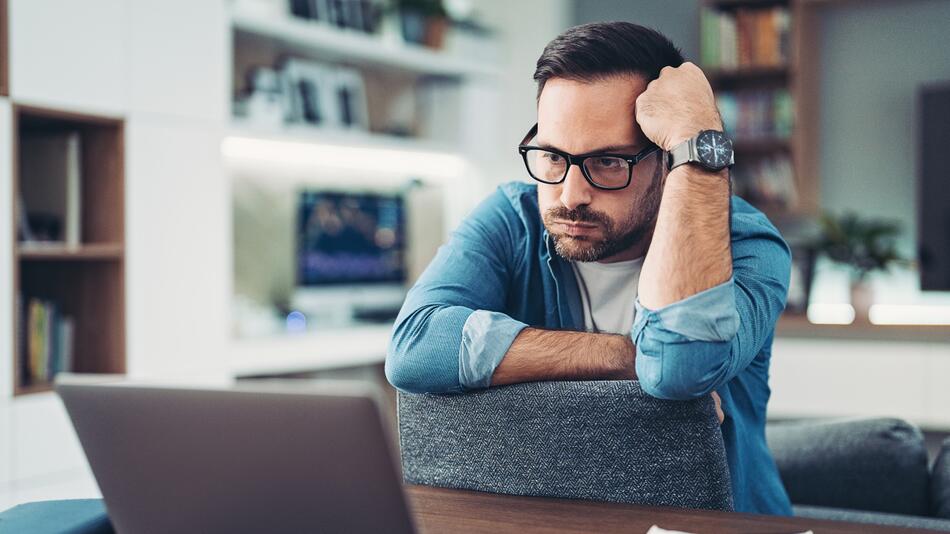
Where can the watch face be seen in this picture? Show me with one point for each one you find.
(714, 149)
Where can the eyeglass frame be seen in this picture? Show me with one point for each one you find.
(631, 159)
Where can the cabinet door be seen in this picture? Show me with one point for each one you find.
(7, 295)
(186, 75)
(44, 442)
(6, 301)
(70, 54)
(178, 248)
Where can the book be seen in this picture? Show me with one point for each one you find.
(747, 37)
(47, 342)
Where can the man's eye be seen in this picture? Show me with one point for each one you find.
(553, 158)
(607, 163)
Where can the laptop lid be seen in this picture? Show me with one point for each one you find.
(288, 457)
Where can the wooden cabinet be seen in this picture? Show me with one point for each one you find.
(82, 282)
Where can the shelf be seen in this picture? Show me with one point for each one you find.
(763, 145)
(795, 326)
(350, 138)
(746, 76)
(32, 389)
(736, 4)
(322, 41)
(312, 351)
(85, 283)
(50, 252)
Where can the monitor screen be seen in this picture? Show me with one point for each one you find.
(350, 238)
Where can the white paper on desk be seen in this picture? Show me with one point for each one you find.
(657, 530)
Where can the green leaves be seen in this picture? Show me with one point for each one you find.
(866, 245)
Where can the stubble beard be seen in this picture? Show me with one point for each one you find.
(617, 236)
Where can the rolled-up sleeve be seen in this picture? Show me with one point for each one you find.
(486, 338)
(694, 346)
(450, 333)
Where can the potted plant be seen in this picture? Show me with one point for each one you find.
(422, 21)
(865, 245)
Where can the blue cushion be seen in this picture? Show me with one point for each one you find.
(75, 516)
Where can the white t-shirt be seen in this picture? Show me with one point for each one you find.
(608, 292)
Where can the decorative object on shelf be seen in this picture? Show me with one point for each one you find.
(361, 15)
(350, 101)
(802, 276)
(265, 102)
(865, 245)
(313, 93)
(422, 21)
(50, 187)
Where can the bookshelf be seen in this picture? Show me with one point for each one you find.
(4, 50)
(84, 280)
(760, 57)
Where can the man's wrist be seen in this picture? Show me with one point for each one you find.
(695, 174)
(621, 364)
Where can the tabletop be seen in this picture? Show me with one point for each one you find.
(447, 510)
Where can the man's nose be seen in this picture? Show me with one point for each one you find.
(576, 190)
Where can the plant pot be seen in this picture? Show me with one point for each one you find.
(862, 296)
(413, 25)
(436, 28)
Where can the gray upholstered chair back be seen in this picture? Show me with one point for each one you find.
(605, 441)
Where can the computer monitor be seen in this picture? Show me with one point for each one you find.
(350, 255)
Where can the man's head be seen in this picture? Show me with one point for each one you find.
(589, 78)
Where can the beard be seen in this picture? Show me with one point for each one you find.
(618, 235)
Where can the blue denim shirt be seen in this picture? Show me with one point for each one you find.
(498, 274)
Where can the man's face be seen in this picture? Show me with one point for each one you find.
(586, 223)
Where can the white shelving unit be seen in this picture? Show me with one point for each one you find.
(322, 41)
(294, 353)
(458, 84)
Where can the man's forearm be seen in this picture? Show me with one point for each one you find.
(690, 251)
(537, 355)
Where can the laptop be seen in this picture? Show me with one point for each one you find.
(269, 457)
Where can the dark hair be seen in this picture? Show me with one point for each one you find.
(594, 51)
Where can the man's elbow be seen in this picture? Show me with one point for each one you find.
(402, 375)
(683, 371)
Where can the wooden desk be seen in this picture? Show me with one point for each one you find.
(443, 510)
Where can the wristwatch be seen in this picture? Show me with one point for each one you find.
(710, 149)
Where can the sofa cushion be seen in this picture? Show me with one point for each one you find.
(599, 440)
(873, 518)
(74, 516)
(940, 483)
(878, 465)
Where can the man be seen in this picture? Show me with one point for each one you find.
(627, 259)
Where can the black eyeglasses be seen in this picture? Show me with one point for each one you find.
(603, 171)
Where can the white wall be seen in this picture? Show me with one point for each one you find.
(523, 29)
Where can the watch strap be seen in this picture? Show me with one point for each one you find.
(682, 153)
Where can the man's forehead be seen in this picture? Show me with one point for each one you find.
(584, 117)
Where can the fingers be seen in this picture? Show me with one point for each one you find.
(718, 402)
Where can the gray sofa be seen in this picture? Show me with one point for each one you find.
(607, 440)
(862, 470)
